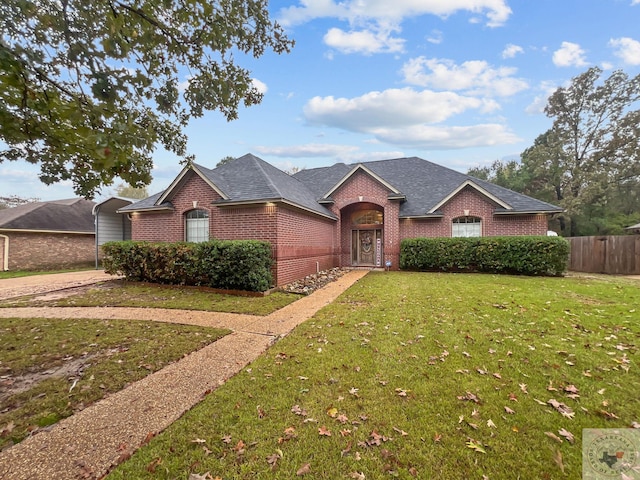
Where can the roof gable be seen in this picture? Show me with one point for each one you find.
(361, 168)
(470, 183)
(182, 177)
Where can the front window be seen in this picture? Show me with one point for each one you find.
(466, 227)
(367, 217)
(197, 228)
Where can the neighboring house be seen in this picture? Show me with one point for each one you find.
(343, 215)
(110, 225)
(634, 228)
(47, 235)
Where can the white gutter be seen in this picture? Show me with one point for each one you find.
(5, 257)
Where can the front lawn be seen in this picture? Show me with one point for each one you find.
(421, 375)
(51, 368)
(120, 293)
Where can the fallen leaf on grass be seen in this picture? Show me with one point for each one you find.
(562, 408)
(151, 468)
(226, 439)
(608, 415)
(497, 375)
(557, 457)
(437, 437)
(568, 435)
(332, 412)
(342, 418)
(469, 397)
(357, 475)
(204, 476)
(475, 446)
(509, 411)
(7, 429)
(523, 388)
(490, 424)
(148, 438)
(401, 392)
(198, 440)
(304, 469)
(635, 425)
(401, 432)
(554, 436)
(299, 411)
(324, 431)
(273, 459)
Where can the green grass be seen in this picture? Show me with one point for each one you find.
(392, 369)
(29, 273)
(119, 293)
(111, 353)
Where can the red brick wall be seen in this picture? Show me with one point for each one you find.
(304, 245)
(298, 239)
(478, 206)
(169, 227)
(373, 193)
(46, 251)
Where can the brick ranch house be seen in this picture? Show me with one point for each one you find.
(342, 215)
(47, 235)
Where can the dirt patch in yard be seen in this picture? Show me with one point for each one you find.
(71, 368)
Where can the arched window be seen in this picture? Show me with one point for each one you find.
(197, 226)
(466, 227)
(367, 217)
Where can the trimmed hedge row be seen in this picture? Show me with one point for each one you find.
(225, 264)
(512, 255)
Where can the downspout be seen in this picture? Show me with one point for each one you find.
(5, 257)
(96, 232)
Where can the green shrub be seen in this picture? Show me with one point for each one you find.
(226, 264)
(531, 255)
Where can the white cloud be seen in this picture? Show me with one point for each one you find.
(307, 150)
(364, 41)
(511, 50)
(446, 138)
(569, 55)
(394, 106)
(627, 49)
(406, 117)
(635, 2)
(435, 37)
(259, 85)
(475, 77)
(540, 101)
(496, 11)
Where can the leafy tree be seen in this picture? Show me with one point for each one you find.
(127, 191)
(88, 89)
(225, 160)
(506, 173)
(14, 201)
(593, 148)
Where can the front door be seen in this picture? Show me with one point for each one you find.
(366, 247)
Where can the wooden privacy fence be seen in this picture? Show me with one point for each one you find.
(618, 255)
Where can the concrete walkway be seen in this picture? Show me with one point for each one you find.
(88, 444)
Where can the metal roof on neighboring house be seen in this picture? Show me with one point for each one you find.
(422, 186)
(68, 215)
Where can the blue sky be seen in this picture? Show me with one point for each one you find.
(457, 82)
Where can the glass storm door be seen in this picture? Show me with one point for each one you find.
(366, 247)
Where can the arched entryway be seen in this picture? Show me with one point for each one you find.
(364, 224)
